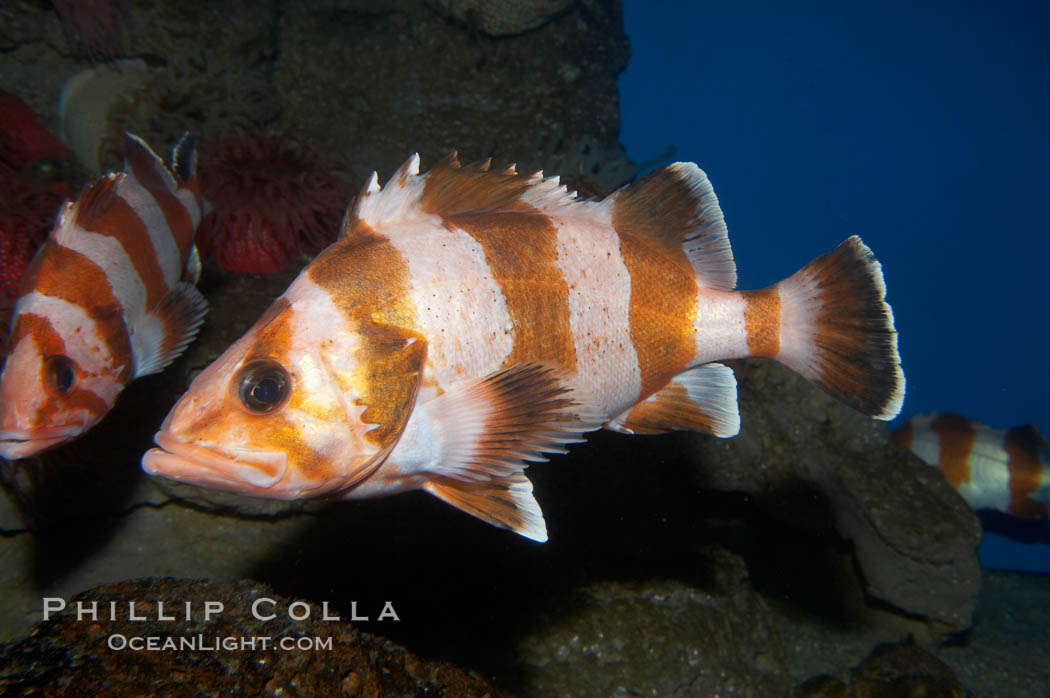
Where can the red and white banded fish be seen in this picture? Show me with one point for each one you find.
(991, 468)
(467, 321)
(108, 298)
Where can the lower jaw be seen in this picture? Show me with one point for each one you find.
(13, 450)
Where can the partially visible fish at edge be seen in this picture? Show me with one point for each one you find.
(108, 298)
(468, 321)
(1007, 470)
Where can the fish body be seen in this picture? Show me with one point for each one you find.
(1007, 470)
(108, 298)
(469, 320)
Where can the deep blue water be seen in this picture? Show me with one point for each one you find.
(922, 127)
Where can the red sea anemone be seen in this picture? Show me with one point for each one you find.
(27, 212)
(23, 138)
(271, 198)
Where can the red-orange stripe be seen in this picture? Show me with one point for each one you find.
(101, 211)
(144, 167)
(957, 436)
(521, 252)
(69, 275)
(49, 343)
(662, 309)
(762, 320)
(1025, 472)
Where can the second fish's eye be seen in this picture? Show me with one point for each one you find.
(60, 374)
(264, 386)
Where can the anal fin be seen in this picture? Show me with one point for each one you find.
(701, 399)
(473, 442)
(165, 332)
(505, 501)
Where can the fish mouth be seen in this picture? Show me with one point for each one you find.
(25, 443)
(247, 472)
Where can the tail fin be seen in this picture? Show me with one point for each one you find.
(837, 330)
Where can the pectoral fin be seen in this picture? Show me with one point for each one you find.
(485, 433)
(164, 333)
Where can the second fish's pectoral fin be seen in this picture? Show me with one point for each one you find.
(701, 399)
(489, 429)
(165, 332)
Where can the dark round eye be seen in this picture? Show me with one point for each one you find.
(263, 386)
(59, 374)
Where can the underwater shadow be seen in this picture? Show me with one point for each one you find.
(72, 499)
(617, 508)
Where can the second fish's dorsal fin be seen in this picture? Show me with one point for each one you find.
(675, 211)
(449, 190)
(490, 429)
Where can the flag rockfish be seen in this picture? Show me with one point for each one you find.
(108, 298)
(467, 321)
(991, 468)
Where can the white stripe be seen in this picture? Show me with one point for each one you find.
(83, 343)
(459, 306)
(109, 255)
(145, 206)
(989, 485)
(720, 326)
(189, 201)
(608, 378)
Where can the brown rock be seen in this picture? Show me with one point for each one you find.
(67, 656)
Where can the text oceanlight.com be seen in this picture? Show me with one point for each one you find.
(215, 643)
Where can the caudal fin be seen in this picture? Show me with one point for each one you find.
(837, 330)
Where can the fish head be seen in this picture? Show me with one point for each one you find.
(59, 377)
(289, 411)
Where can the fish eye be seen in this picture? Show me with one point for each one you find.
(263, 386)
(59, 374)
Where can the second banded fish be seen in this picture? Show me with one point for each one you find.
(109, 297)
(470, 320)
(1007, 470)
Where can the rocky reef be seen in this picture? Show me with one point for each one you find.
(126, 648)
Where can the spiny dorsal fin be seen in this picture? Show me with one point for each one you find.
(449, 190)
(91, 205)
(675, 210)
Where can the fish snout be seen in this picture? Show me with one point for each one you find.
(241, 471)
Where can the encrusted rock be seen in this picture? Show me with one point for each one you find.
(67, 656)
(806, 455)
(503, 17)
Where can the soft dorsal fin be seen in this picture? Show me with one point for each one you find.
(145, 165)
(1027, 436)
(184, 157)
(449, 190)
(675, 210)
